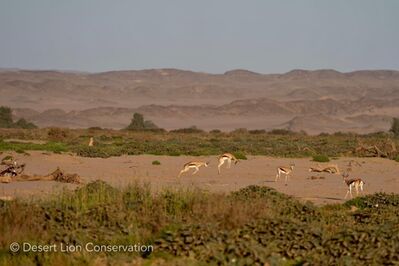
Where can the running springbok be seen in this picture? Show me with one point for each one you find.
(226, 157)
(194, 165)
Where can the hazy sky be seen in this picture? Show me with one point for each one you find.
(203, 35)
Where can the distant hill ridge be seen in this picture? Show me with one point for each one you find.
(178, 98)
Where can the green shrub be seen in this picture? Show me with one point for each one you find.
(138, 123)
(257, 131)
(21, 151)
(377, 200)
(395, 127)
(215, 131)
(6, 120)
(99, 151)
(240, 156)
(22, 123)
(156, 162)
(5, 117)
(321, 158)
(58, 134)
(55, 147)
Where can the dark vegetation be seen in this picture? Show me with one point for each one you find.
(241, 143)
(321, 158)
(395, 127)
(253, 226)
(138, 123)
(144, 137)
(6, 120)
(192, 129)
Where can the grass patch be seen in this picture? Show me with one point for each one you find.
(240, 156)
(18, 147)
(156, 162)
(194, 142)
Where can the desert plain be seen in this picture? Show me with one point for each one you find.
(380, 175)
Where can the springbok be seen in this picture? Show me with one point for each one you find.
(194, 165)
(226, 157)
(353, 183)
(287, 171)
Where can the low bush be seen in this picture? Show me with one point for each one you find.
(321, 158)
(58, 134)
(257, 131)
(255, 225)
(189, 130)
(240, 155)
(156, 162)
(215, 131)
(377, 200)
(115, 143)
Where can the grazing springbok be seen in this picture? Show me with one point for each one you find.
(226, 157)
(287, 171)
(353, 183)
(194, 165)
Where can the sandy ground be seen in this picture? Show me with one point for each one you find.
(379, 175)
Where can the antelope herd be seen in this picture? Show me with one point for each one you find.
(351, 183)
(12, 169)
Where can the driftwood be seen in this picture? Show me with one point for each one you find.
(58, 175)
(370, 151)
(10, 170)
(383, 149)
(332, 169)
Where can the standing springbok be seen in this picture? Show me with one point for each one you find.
(91, 142)
(284, 170)
(226, 157)
(353, 182)
(194, 165)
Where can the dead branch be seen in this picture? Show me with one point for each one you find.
(332, 169)
(58, 175)
(10, 170)
(384, 149)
